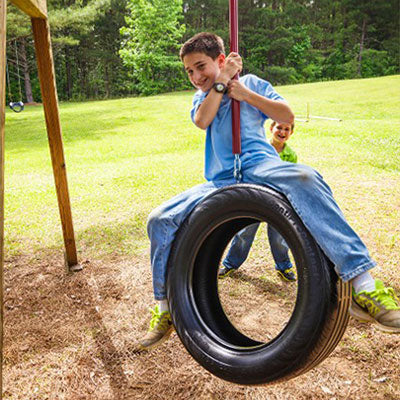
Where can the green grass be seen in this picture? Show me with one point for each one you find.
(124, 157)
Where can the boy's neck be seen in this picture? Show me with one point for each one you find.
(278, 146)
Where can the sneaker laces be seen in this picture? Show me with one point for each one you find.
(287, 271)
(157, 318)
(386, 297)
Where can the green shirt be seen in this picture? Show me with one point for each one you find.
(287, 154)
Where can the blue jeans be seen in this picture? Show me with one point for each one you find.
(308, 194)
(243, 240)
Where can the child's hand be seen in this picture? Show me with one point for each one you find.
(237, 90)
(233, 64)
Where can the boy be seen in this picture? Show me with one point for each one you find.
(242, 242)
(210, 71)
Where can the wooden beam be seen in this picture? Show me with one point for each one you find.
(44, 57)
(3, 13)
(34, 8)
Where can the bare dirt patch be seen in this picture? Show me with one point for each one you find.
(73, 337)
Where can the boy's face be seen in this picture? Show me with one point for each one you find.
(202, 70)
(281, 132)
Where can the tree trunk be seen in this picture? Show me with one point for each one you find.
(68, 75)
(25, 69)
(83, 77)
(106, 81)
(363, 29)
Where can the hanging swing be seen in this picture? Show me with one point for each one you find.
(320, 313)
(16, 106)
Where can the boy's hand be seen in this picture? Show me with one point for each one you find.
(232, 65)
(238, 91)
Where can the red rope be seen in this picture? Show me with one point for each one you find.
(234, 42)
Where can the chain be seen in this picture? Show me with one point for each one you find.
(237, 168)
(19, 78)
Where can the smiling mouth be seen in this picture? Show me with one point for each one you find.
(200, 84)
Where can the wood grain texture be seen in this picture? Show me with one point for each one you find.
(44, 57)
(3, 12)
(34, 8)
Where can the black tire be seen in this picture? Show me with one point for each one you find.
(320, 314)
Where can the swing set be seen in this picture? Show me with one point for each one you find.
(320, 315)
(37, 11)
(16, 106)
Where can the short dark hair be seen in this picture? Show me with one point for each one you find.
(273, 123)
(205, 42)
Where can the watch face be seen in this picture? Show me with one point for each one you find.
(219, 87)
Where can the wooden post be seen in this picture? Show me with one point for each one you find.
(3, 13)
(44, 57)
(34, 8)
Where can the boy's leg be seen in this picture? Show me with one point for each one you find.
(280, 253)
(313, 201)
(239, 249)
(163, 223)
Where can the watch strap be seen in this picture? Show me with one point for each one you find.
(220, 87)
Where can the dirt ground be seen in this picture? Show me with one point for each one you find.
(74, 337)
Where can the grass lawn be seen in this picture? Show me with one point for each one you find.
(124, 157)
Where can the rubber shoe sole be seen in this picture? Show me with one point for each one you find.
(287, 277)
(224, 272)
(159, 342)
(362, 316)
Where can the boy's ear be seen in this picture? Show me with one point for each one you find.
(221, 60)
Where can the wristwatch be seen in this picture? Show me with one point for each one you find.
(220, 87)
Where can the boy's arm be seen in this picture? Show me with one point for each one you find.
(277, 110)
(209, 107)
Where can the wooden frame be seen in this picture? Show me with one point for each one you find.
(37, 10)
(3, 14)
(34, 8)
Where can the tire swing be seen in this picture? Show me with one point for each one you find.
(320, 313)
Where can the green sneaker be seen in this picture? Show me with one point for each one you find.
(287, 275)
(223, 271)
(160, 329)
(381, 307)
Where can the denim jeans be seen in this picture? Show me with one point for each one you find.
(308, 194)
(243, 240)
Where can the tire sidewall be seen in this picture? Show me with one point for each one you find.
(290, 349)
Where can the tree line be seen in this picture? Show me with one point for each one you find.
(117, 48)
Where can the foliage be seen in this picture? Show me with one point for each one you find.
(375, 63)
(151, 42)
(85, 41)
(302, 41)
(283, 41)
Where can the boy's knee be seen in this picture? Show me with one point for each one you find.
(307, 175)
(154, 218)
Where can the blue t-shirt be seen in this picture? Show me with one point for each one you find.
(255, 147)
